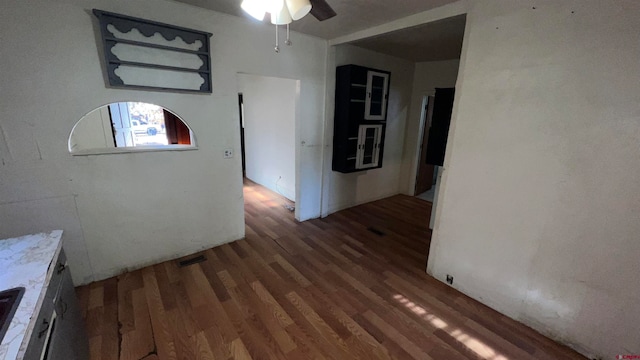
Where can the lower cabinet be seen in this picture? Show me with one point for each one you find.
(59, 333)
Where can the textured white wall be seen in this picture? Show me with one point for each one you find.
(346, 190)
(124, 211)
(269, 131)
(539, 208)
(427, 77)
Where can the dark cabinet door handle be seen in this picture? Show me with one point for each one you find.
(61, 268)
(63, 307)
(44, 329)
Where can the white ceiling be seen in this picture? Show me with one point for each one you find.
(353, 15)
(438, 40)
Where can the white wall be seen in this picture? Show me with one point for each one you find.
(269, 131)
(426, 78)
(124, 211)
(539, 206)
(346, 190)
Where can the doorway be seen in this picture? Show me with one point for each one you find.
(426, 173)
(436, 119)
(268, 116)
(241, 113)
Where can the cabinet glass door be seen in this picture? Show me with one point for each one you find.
(376, 101)
(369, 139)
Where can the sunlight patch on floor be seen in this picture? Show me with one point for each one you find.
(251, 195)
(480, 348)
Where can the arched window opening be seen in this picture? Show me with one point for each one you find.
(130, 126)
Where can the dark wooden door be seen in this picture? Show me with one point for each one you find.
(424, 177)
(443, 105)
(177, 131)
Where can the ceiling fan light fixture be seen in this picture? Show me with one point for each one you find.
(284, 12)
(298, 8)
(280, 13)
(255, 8)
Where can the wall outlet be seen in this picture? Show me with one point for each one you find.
(449, 279)
(228, 153)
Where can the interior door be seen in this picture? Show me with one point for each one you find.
(122, 129)
(377, 90)
(441, 119)
(424, 177)
(177, 132)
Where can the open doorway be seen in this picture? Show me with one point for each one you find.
(267, 111)
(241, 112)
(436, 120)
(425, 173)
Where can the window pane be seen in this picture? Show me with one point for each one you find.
(147, 124)
(377, 81)
(377, 95)
(369, 146)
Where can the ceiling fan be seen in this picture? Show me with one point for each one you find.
(283, 12)
(321, 10)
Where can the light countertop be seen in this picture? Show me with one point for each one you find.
(26, 262)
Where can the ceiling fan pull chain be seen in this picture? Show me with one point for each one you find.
(277, 48)
(288, 42)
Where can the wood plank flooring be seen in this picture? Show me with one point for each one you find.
(350, 286)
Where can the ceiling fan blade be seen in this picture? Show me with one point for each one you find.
(321, 10)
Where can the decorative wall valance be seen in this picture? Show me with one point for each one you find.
(145, 54)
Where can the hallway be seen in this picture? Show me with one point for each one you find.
(350, 286)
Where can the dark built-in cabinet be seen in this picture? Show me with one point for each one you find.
(360, 118)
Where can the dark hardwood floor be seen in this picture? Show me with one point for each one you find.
(350, 286)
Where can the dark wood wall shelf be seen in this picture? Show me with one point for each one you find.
(360, 118)
(148, 29)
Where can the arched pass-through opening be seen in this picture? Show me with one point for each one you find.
(130, 127)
